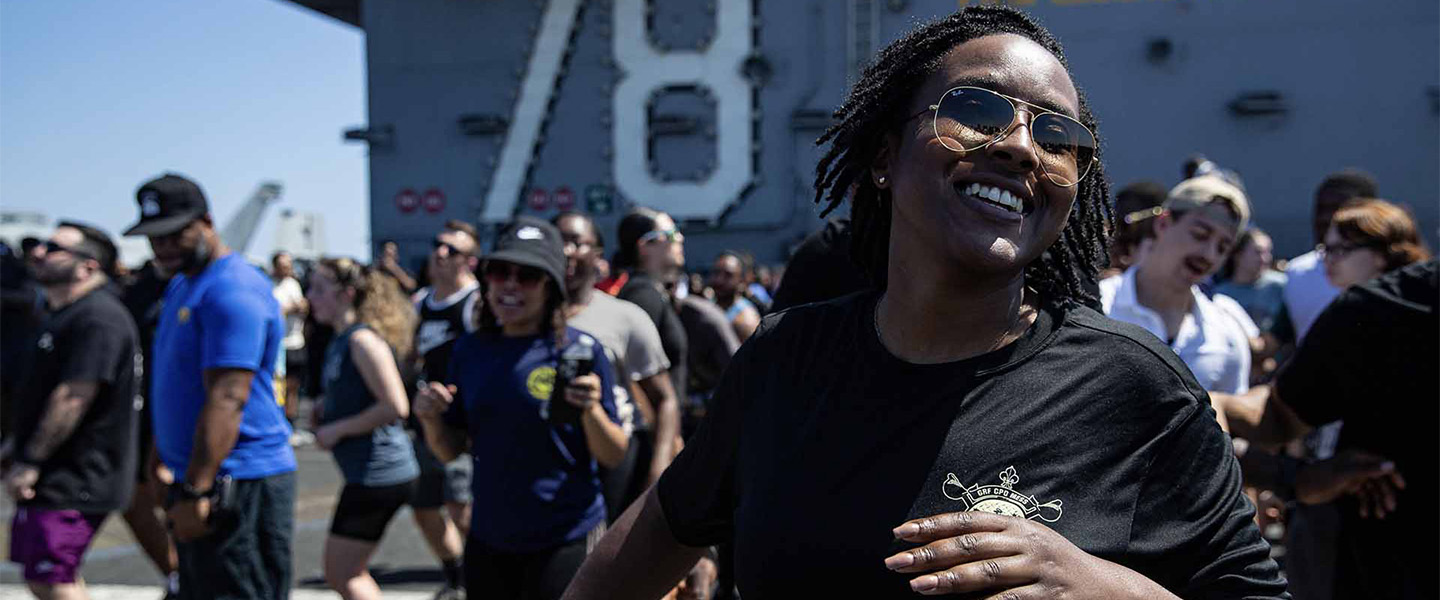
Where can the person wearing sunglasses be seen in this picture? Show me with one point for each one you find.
(360, 419)
(537, 506)
(974, 425)
(650, 257)
(74, 454)
(448, 309)
(1369, 237)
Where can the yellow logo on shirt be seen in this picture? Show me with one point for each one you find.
(183, 315)
(541, 382)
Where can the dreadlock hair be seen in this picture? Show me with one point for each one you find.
(379, 303)
(878, 104)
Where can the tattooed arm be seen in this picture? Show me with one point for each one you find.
(67, 406)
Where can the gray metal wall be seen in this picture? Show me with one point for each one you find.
(1359, 83)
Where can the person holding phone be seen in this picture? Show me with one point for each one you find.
(537, 420)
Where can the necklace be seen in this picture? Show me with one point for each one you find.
(999, 341)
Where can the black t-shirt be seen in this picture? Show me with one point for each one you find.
(820, 442)
(646, 293)
(91, 339)
(142, 300)
(1370, 360)
(438, 328)
(820, 269)
(712, 342)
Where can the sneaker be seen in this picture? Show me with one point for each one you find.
(450, 593)
(301, 438)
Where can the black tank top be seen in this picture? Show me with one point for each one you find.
(438, 330)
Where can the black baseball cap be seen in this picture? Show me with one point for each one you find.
(168, 204)
(531, 242)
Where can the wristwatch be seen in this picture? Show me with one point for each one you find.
(183, 490)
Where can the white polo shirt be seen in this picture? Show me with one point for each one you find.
(1307, 292)
(1213, 339)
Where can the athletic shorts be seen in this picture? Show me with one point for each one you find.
(363, 511)
(51, 544)
(439, 482)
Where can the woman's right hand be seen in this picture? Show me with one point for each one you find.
(433, 400)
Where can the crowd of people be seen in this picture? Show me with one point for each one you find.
(989, 378)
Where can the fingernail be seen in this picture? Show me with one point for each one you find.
(900, 561)
(907, 530)
(924, 584)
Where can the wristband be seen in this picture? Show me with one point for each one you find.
(183, 490)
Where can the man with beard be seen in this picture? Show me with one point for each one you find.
(634, 347)
(1195, 232)
(75, 451)
(727, 276)
(218, 425)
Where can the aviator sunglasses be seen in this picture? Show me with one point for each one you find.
(499, 272)
(969, 118)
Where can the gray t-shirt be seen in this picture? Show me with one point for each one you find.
(384, 456)
(631, 343)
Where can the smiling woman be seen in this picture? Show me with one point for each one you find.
(972, 425)
(538, 424)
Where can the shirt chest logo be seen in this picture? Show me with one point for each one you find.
(1001, 499)
(541, 382)
(432, 334)
(46, 342)
(183, 315)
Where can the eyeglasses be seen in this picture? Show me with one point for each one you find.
(969, 118)
(438, 244)
(572, 246)
(1337, 251)
(663, 235)
(51, 246)
(500, 272)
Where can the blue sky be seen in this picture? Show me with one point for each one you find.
(97, 96)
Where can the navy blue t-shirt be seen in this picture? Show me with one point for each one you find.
(535, 484)
(223, 318)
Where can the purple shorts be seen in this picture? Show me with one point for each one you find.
(50, 543)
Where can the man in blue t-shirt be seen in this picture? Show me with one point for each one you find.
(218, 425)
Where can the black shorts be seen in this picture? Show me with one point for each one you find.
(363, 511)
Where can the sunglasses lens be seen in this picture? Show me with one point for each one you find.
(502, 272)
(969, 118)
(1066, 148)
(497, 272)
